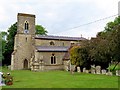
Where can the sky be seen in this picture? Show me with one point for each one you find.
(61, 17)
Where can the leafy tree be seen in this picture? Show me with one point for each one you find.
(79, 56)
(100, 52)
(116, 45)
(40, 30)
(74, 56)
(3, 43)
(110, 41)
(4, 35)
(9, 44)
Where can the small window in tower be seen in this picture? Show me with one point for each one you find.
(26, 25)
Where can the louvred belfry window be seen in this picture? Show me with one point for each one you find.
(26, 27)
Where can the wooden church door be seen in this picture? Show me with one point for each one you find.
(25, 64)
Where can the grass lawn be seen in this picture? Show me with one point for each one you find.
(60, 79)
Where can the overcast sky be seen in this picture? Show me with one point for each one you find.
(59, 17)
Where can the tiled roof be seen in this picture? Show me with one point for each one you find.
(66, 56)
(49, 37)
(52, 48)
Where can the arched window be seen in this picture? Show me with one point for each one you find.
(53, 59)
(26, 25)
(25, 64)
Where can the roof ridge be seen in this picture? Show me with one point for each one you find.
(59, 36)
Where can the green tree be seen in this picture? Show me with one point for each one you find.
(40, 30)
(9, 46)
(79, 56)
(116, 45)
(3, 36)
(108, 45)
(74, 56)
(100, 52)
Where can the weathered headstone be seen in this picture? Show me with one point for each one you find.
(98, 69)
(84, 70)
(67, 65)
(93, 69)
(78, 69)
(109, 73)
(72, 68)
(66, 68)
(103, 71)
(117, 72)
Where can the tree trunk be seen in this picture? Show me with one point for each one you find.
(115, 66)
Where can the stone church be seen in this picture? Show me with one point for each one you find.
(40, 52)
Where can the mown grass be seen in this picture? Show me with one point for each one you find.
(60, 79)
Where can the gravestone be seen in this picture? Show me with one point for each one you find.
(72, 68)
(78, 69)
(98, 69)
(103, 71)
(93, 69)
(84, 70)
(117, 72)
(67, 65)
(109, 73)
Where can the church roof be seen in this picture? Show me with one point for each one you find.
(49, 37)
(66, 56)
(52, 48)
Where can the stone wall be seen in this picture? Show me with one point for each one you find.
(47, 57)
(53, 67)
(23, 50)
(40, 42)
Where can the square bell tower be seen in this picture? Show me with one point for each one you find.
(24, 42)
(26, 24)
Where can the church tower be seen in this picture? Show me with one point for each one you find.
(24, 42)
